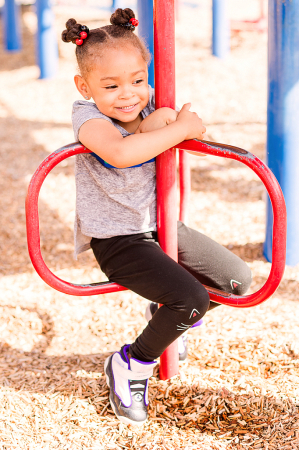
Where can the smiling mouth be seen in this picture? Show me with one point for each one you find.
(127, 108)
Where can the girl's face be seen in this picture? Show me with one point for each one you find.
(118, 84)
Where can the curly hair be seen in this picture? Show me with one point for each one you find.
(102, 38)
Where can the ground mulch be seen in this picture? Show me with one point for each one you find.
(240, 386)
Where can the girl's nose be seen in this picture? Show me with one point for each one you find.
(126, 92)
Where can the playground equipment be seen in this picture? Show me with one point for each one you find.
(283, 131)
(118, 4)
(221, 29)
(47, 48)
(146, 31)
(222, 26)
(166, 193)
(283, 100)
(164, 216)
(11, 21)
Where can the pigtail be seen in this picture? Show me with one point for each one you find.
(124, 18)
(75, 32)
(72, 31)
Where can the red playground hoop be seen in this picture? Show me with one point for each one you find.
(211, 148)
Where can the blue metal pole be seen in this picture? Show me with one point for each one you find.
(47, 48)
(221, 29)
(12, 26)
(283, 117)
(146, 31)
(118, 4)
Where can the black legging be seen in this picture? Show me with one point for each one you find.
(137, 262)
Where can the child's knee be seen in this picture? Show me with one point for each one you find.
(241, 280)
(198, 304)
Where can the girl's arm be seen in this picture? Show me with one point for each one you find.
(102, 138)
(159, 119)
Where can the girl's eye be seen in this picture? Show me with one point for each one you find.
(111, 87)
(138, 81)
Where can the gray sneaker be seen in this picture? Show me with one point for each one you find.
(128, 383)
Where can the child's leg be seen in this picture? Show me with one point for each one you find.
(211, 263)
(138, 263)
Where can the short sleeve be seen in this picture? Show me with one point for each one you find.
(84, 111)
(151, 102)
(150, 107)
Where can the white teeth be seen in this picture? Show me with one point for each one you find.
(127, 107)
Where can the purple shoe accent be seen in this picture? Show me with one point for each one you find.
(124, 354)
(197, 324)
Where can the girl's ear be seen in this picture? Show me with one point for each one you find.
(82, 86)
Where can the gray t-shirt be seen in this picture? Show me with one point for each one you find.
(110, 201)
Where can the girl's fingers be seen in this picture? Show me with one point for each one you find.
(186, 107)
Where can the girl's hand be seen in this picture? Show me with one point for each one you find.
(194, 128)
(158, 119)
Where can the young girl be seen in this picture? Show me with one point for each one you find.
(116, 203)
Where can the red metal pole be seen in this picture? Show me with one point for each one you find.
(185, 185)
(164, 40)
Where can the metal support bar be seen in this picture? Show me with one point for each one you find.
(164, 45)
(221, 29)
(146, 32)
(47, 48)
(12, 26)
(283, 117)
(118, 4)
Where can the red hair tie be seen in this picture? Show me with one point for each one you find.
(131, 24)
(134, 22)
(83, 35)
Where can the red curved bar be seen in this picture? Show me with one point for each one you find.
(279, 220)
(33, 237)
(211, 148)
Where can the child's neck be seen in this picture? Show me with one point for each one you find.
(131, 127)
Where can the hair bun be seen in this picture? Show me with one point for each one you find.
(72, 31)
(122, 16)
